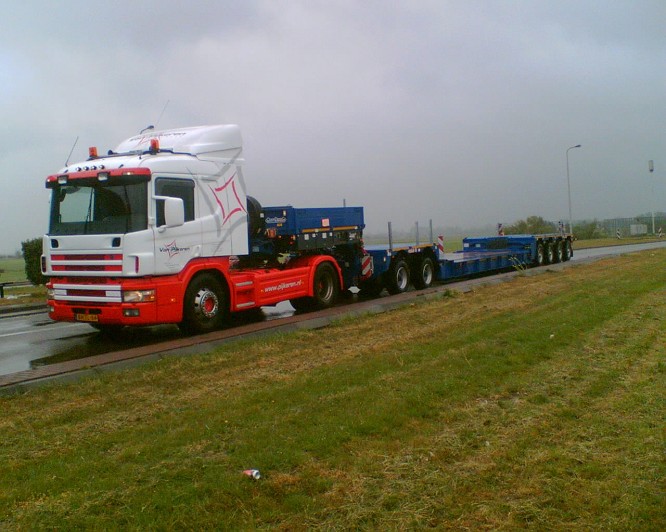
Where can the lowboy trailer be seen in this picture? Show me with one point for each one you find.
(395, 268)
(161, 230)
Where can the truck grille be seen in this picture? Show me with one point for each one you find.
(86, 263)
(91, 293)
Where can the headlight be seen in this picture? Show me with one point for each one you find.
(138, 296)
(50, 293)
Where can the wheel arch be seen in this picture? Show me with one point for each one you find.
(194, 270)
(312, 262)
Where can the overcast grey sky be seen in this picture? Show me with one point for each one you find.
(460, 110)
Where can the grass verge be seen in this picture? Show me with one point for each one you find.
(12, 270)
(538, 403)
(20, 295)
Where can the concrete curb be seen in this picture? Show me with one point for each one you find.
(6, 310)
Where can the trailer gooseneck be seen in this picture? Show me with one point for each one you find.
(160, 230)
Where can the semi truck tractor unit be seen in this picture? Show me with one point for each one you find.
(161, 230)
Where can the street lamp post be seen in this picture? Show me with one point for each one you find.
(569, 188)
(651, 168)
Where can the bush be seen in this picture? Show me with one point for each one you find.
(534, 225)
(588, 230)
(32, 255)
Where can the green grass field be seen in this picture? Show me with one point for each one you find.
(12, 270)
(538, 403)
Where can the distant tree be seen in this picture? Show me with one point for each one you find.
(588, 230)
(32, 255)
(532, 225)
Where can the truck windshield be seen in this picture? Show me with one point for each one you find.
(98, 208)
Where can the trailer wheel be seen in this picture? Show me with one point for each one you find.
(550, 253)
(398, 277)
(424, 275)
(205, 306)
(558, 252)
(540, 255)
(568, 250)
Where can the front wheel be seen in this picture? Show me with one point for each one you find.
(205, 306)
(398, 277)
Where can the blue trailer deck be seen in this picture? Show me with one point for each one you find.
(394, 267)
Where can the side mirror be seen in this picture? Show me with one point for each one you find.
(174, 212)
(170, 212)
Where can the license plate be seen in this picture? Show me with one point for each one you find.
(87, 317)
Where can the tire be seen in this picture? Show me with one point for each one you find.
(424, 275)
(558, 252)
(550, 253)
(568, 250)
(325, 286)
(398, 277)
(206, 305)
(255, 222)
(540, 255)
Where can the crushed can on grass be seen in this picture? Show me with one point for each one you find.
(252, 473)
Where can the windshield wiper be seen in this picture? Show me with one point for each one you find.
(89, 213)
(128, 206)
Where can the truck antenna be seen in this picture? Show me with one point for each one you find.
(71, 151)
(162, 113)
(146, 129)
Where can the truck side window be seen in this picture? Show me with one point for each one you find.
(175, 188)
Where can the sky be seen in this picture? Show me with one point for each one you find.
(456, 111)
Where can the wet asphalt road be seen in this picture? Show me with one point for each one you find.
(29, 340)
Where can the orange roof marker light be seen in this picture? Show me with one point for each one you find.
(92, 152)
(154, 145)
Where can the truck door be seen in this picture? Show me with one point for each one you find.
(175, 246)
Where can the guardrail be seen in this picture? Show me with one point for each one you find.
(12, 284)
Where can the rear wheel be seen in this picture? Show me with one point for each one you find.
(558, 251)
(205, 306)
(424, 275)
(325, 287)
(540, 255)
(398, 277)
(550, 253)
(568, 250)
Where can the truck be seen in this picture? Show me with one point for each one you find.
(161, 230)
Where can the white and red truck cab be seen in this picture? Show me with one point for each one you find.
(160, 230)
